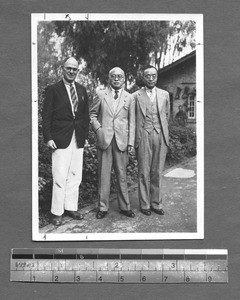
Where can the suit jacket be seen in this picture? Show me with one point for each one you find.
(58, 120)
(163, 106)
(107, 123)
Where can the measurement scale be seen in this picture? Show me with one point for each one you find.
(74, 265)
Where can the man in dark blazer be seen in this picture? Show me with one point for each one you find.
(65, 129)
(151, 141)
(112, 117)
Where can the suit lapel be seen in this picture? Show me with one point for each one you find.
(64, 94)
(159, 100)
(108, 99)
(121, 101)
(142, 99)
(80, 97)
(79, 93)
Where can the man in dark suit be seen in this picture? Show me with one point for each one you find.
(113, 120)
(151, 141)
(65, 129)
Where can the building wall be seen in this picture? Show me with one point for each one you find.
(181, 76)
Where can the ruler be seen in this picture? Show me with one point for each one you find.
(160, 266)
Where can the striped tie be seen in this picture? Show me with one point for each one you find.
(73, 97)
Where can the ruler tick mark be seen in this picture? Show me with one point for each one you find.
(164, 270)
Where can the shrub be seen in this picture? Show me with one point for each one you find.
(182, 145)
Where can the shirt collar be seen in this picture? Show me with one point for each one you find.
(113, 90)
(150, 90)
(67, 83)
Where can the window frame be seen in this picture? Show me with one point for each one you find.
(192, 100)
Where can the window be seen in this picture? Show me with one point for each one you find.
(191, 107)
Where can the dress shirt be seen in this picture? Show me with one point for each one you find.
(67, 85)
(151, 93)
(116, 101)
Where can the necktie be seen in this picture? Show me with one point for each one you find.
(116, 94)
(73, 97)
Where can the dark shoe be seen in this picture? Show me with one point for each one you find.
(101, 214)
(127, 213)
(57, 220)
(73, 214)
(146, 212)
(158, 211)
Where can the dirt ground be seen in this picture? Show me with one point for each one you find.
(179, 204)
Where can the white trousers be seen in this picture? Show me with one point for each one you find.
(67, 176)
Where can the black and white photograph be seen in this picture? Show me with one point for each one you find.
(119, 151)
(117, 127)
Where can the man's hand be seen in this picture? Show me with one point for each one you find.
(51, 144)
(130, 149)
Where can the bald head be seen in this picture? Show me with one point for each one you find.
(116, 78)
(70, 60)
(70, 68)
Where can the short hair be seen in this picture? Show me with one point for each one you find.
(116, 68)
(148, 67)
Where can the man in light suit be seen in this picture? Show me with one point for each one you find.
(65, 129)
(113, 120)
(151, 141)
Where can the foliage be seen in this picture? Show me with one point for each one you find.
(49, 55)
(88, 191)
(182, 143)
(179, 42)
(106, 44)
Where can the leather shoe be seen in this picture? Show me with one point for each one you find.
(146, 212)
(73, 214)
(127, 213)
(158, 211)
(101, 214)
(57, 220)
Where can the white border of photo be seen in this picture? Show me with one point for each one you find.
(199, 234)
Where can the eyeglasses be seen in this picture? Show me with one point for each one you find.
(149, 76)
(116, 76)
(69, 69)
